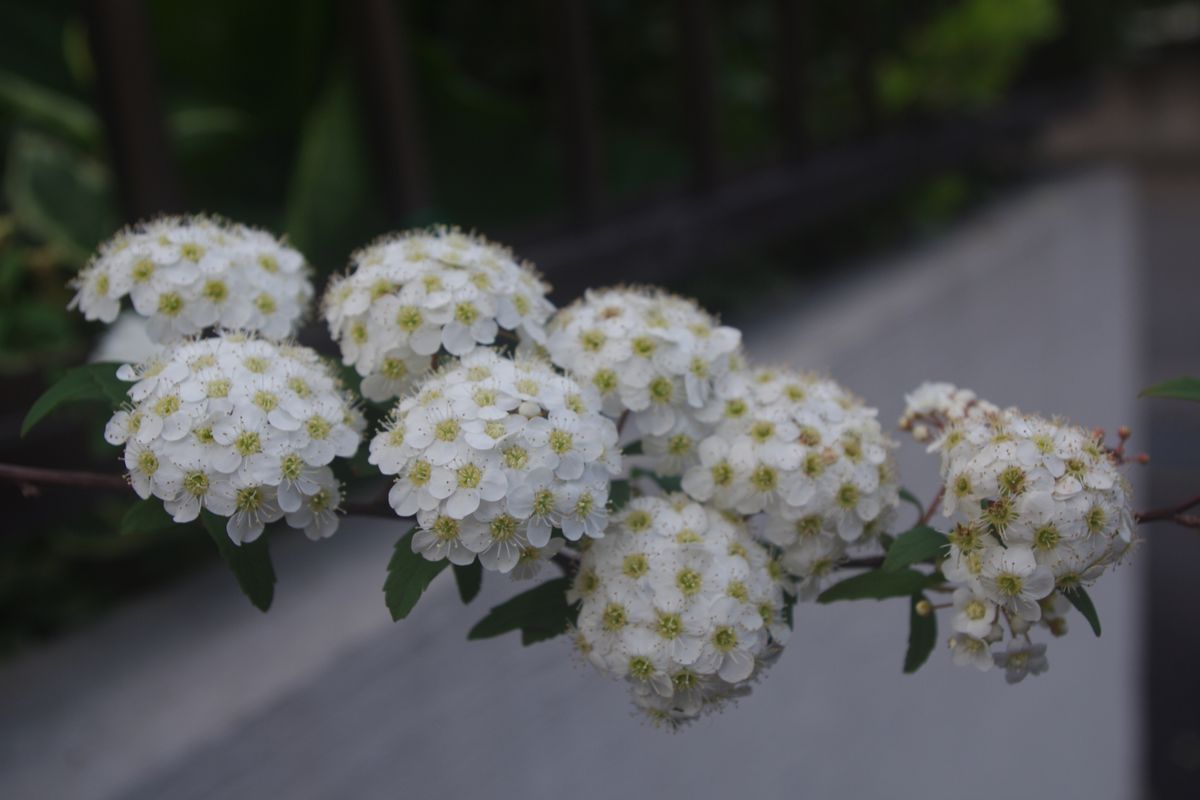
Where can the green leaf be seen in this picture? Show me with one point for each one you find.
(1179, 388)
(540, 613)
(618, 495)
(632, 449)
(409, 575)
(909, 497)
(49, 110)
(921, 543)
(250, 562)
(59, 195)
(145, 516)
(469, 579)
(922, 636)
(88, 383)
(1083, 604)
(329, 201)
(789, 610)
(878, 585)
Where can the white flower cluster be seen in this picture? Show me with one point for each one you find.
(186, 274)
(407, 297)
(933, 406)
(804, 456)
(240, 426)
(491, 454)
(1039, 505)
(679, 600)
(652, 354)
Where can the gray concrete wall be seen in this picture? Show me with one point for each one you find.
(193, 694)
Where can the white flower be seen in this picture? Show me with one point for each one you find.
(1021, 659)
(492, 454)
(647, 352)
(802, 455)
(409, 297)
(973, 615)
(187, 274)
(1013, 579)
(931, 407)
(679, 601)
(969, 650)
(239, 426)
(1038, 505)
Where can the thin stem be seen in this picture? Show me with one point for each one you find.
(28, 479)
(932, 508)
(1173, 514)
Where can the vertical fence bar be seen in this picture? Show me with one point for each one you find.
(127, 88)
(376, 38)
(790, 75)
(866, 51)
(699, 90)
(570, 76)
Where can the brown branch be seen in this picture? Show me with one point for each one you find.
(1172, 514)
(933, 504)
(28, 479)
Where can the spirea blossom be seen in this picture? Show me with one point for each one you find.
(651, 353)
(411, 296)
(186, 274)
(679, 600)
(802, 455)
(491, 454)
(933, 406)
(1039, 505)
(242, 427)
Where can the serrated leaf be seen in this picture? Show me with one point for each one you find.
(83, 384)
(618, 495)
(909, 497)
(879, 585)
(409, 575)
(918, 544)
(1179, 388)
(1079, 598)
(540, 613)
(145, 516)
(249, 562)
(468, 579)
(922, 636)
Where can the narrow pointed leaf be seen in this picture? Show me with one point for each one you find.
(83, 384)
(909, 497)
(921, 543)
(249, 562)
(468, 579)
(1179, 388)
(880, 585)
(922, 636)
(409, 575)
(1083, 604)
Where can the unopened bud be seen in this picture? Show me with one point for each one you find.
(1144, 458)
(923, 608)
(1124, 432)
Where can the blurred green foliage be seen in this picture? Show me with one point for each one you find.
(266, 125)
